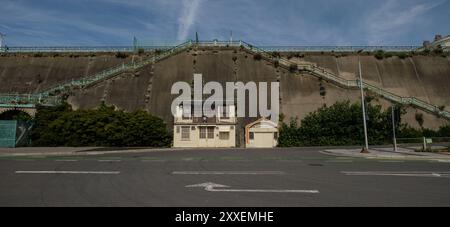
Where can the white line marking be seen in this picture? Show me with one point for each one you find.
(211, 187)
(391, 161)
(441, 160)
(107, 160)
(227, 173)
(67, 172)
(289, 160)
(404, 174)
(339, 161)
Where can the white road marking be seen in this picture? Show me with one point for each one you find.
(67, 172)
(404, 174)
(339, 161)
(107, 160)
(228, 172)
(287, 160)
(441, 160)
(211, 187)
(390, 161)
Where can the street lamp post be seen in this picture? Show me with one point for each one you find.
(393, 129)
(366, 147)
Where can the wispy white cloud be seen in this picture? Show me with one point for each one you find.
(261, 22)
(394, 18)
(187, 17)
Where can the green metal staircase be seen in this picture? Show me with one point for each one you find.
(51, 96)
(353, 84)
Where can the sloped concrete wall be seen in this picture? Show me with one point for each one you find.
(424, 77)
(25, 74)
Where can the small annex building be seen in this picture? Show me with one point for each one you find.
(262, 133)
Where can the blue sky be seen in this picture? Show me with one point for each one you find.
(261, 22)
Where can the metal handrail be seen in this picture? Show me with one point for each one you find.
(293, 48)
(85, 81)
(322, 73)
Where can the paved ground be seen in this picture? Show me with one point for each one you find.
(274, 177)
(389, 153)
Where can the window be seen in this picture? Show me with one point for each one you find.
(224, 135)
(185, 133)
(178, 129)
(226, 112)
(251, 135)
(187, 114)
(210, 132)
(202, 132)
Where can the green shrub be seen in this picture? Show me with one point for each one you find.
(444, 131)
(438, 50)
(293, 68)
(402, 55)
(419, 119)
(426, 52)
(379, 54)
(141, 51)
(276, 63)
(158, 51)
(276, 54)
(339, 124)
(121, 55)
(299, 55)
(257, 57)
(60, 126)
(323, 92)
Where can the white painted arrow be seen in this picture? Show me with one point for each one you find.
(213, 187)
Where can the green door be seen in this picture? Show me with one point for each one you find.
(8, 133)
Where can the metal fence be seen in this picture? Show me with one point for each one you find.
(87, 49)
(424, 143)
(8, 133)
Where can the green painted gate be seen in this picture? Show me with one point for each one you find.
(8, 133)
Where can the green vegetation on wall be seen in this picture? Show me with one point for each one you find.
(61, 126)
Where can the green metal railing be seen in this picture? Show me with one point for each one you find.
(352, 84)
(108, 73)
(25, 100)
(50, 96)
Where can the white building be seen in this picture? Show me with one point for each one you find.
(262, 133)
(439, 42)
(218, 131)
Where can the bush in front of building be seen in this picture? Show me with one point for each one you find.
(61, 126)
(342, 124)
